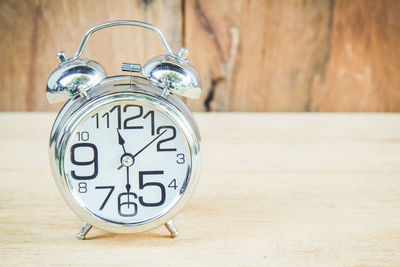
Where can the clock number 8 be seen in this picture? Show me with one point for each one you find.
(82, 187)
(93, 161)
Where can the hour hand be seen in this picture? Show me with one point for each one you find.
(121, 140)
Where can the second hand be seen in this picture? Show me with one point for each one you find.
(128, 185)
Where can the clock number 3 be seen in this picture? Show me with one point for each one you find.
(180, 158)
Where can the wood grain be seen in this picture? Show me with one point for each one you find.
(276, 189)
(268, 55)
(34, 31)
(263, 56)
(296, 55)
(363, 73)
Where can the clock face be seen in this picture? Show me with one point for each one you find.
(127, 163)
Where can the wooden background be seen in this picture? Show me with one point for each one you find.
(252, 55)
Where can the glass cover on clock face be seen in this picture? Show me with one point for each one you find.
(127, 163)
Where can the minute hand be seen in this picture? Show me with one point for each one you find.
(137, 153)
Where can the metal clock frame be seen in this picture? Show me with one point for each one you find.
(112, 89)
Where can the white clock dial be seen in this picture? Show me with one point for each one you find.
(127, 163)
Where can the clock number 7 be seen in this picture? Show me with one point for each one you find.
(111, 188)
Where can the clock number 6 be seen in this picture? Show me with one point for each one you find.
(124, 205)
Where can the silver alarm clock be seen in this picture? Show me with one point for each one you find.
(125, 150)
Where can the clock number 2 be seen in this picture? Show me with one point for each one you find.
(93, 161)
(170, 138)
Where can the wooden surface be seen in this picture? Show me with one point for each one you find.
(268, 55)
(276, 189)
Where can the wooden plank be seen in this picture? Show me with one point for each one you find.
(364, 66)
(262, 56)
(295, 55)
(252, 55)
(34, 31)
(276, 189)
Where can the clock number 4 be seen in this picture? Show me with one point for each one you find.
(172, 184)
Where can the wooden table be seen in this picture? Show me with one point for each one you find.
(275, 189)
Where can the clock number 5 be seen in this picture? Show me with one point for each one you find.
(90, 162)
(142, 185)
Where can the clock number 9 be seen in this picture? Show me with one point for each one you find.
(93, 161)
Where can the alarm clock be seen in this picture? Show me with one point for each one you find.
(125, 150)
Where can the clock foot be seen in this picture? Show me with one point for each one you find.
(172, 229)
(84, 230)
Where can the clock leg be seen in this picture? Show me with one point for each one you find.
(172, 229)
(84, 230)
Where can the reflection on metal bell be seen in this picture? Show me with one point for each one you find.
(73, 77)
(174, 74)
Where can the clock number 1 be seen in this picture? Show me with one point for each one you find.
(151, 114)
